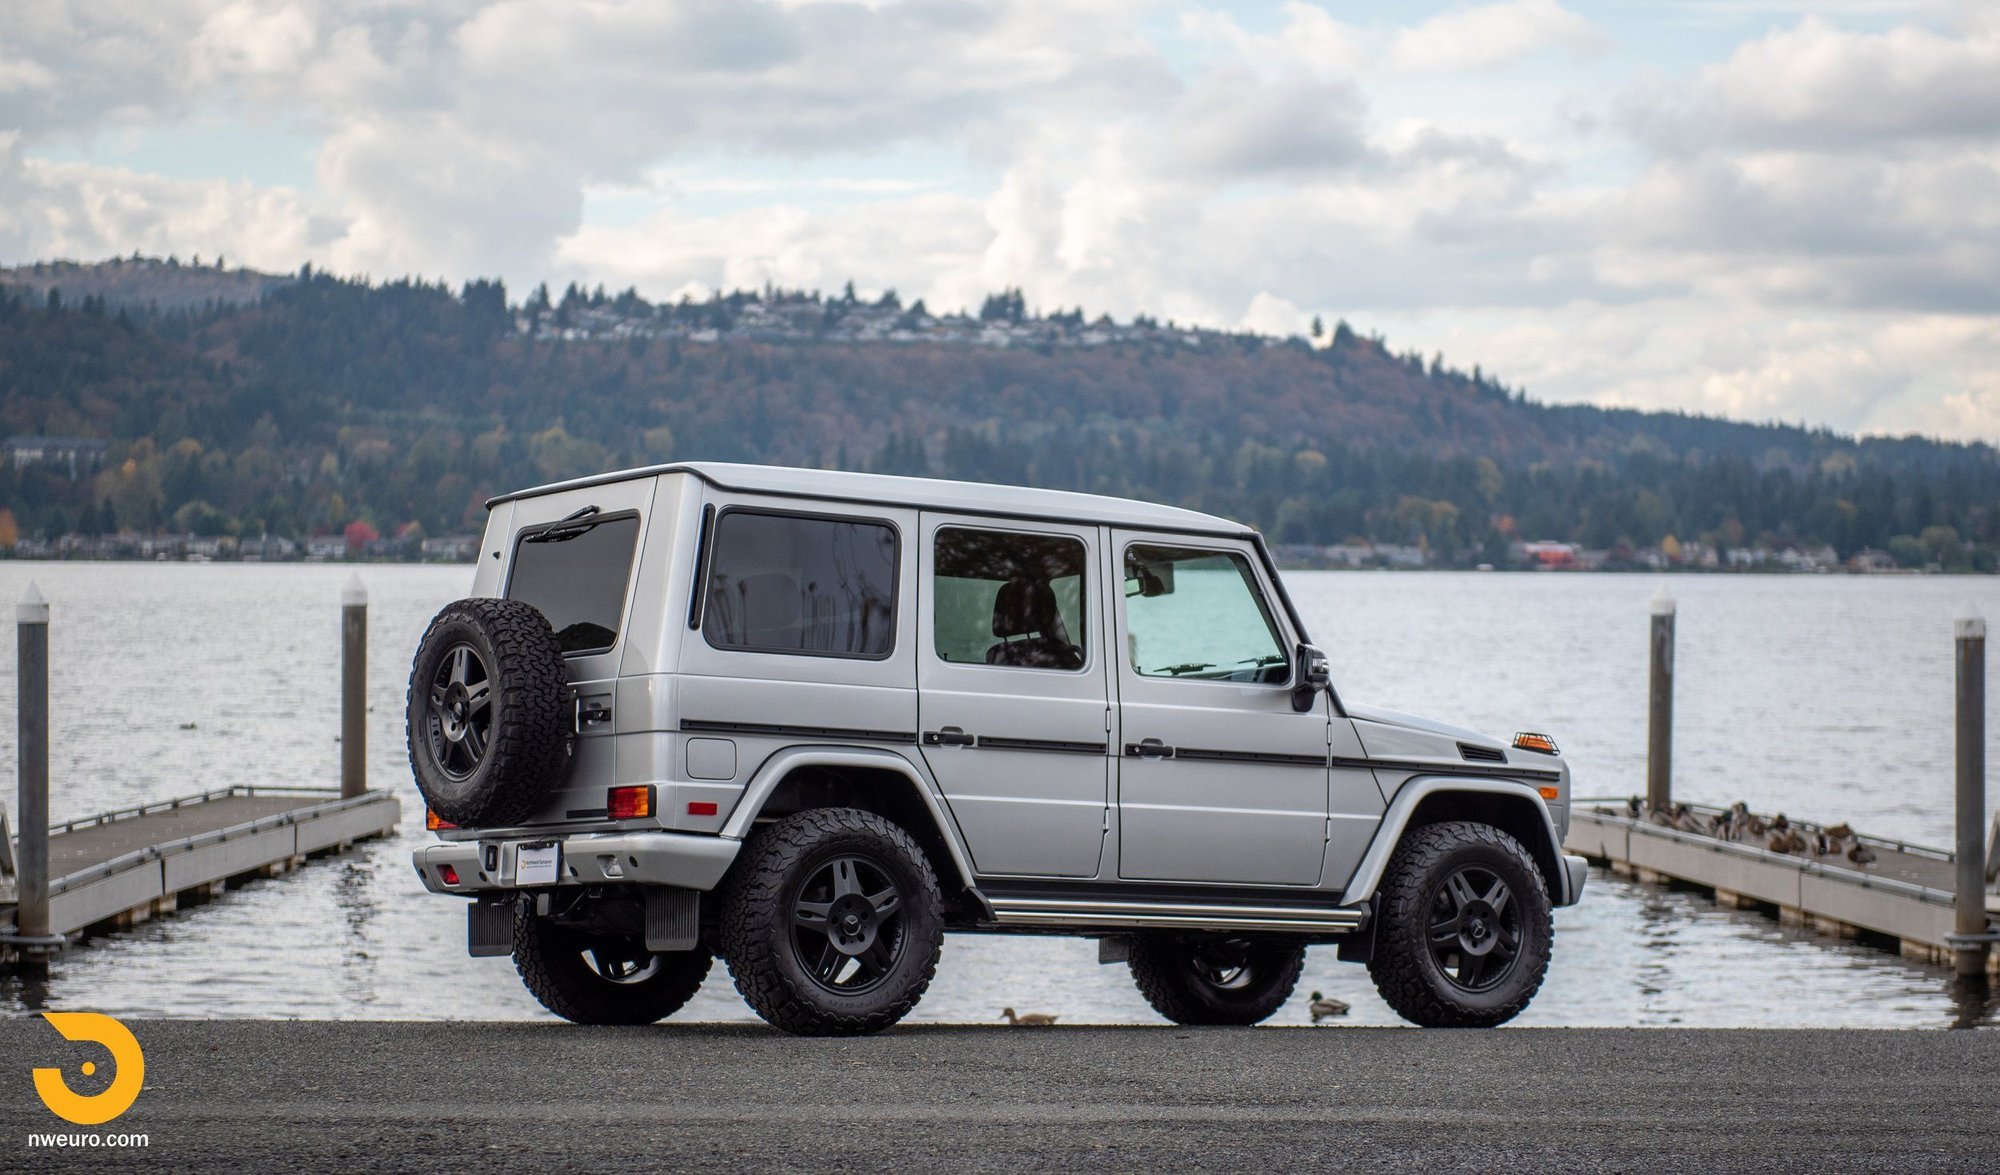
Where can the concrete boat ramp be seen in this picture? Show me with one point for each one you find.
(121, 868)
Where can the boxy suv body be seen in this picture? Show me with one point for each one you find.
(808, 721)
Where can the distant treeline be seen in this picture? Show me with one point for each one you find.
(405, 405)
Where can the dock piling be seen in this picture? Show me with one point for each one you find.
(1660, 710)
(31, 913)
(353, 688)
(1970, 942)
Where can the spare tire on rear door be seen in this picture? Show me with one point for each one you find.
(488, 718)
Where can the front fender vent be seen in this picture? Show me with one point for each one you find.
(1479, 754)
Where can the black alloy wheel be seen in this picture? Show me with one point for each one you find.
(1216, 978)
(1475, 929)
(459, 721)
(847, 925)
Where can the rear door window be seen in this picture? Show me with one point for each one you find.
(1009, 599)
(808, 585)
(577, 577)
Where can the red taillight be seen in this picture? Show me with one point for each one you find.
(434, 822)
(701, 808)
(630, 803)
(448, 875)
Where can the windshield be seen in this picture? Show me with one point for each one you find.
(576, 576)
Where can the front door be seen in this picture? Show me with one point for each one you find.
(1220, 780)
(1011, 691)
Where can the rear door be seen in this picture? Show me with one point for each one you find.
(574, 556)
(1012, 691)
(1219, 779)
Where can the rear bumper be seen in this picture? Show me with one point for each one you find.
(684, 860)
(1576, 871)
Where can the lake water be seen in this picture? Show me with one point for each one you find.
(1827, 697)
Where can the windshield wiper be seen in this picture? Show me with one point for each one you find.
(578, 523)
(1189, 667)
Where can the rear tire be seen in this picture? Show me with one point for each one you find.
(832, 922)
(596, 979)
(1215, 978)
(1463, 928)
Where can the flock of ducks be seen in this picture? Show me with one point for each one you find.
(1739, 824)
(1321, 1007)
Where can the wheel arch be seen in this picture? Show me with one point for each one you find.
(1513, 808)
(878, 781)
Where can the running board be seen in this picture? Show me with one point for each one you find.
(1086, 914)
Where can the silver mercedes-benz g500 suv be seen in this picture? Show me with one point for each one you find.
(810, 721)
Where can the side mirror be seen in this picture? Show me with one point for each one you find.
(1312, 676)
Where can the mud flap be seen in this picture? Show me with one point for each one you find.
(673, 919)
(489, 926)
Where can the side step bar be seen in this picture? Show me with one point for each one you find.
(1097, 914)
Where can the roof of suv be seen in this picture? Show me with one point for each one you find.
(931, 493)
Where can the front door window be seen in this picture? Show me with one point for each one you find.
(1196, 614)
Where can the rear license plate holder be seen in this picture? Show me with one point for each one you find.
(538, 864)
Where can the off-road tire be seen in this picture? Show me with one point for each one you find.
(757, 929)
(1171, 973)
(530, 728)
(550, 959)
(1411, 981)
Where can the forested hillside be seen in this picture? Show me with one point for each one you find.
(405, 405)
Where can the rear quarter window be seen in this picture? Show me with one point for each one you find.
(577, 578)
(807, 585)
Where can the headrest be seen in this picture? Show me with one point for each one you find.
(1026, 606)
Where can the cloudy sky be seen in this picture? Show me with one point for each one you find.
(1763, 209)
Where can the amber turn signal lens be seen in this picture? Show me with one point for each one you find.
(1549, 793)
(629, 803)
(1528, 741)
(434, 822)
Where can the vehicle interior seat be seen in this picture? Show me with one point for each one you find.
(1026, 609)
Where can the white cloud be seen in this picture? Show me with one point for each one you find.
(1492, 36)
(1805, 229)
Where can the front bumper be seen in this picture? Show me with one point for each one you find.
(1576, 871)
(684, 860)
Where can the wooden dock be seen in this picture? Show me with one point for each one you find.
(1904, 899)
(124, 867)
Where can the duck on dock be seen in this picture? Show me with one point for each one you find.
(1861, 854)
(1325, 1006)
(1028, 1019)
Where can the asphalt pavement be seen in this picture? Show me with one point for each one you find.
(305, 1096)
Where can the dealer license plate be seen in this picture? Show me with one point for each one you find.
(537, 864)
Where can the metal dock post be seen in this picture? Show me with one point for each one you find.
(1970, 939)
(31, 913)
(353, 688)
(1660, 709)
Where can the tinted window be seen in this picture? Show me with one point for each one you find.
(1198, 614)
(577, 578)
(1009, 599)
(784, 584)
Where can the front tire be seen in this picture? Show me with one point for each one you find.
(1463, 928)
(1214, 978)
(832, 922)
(597, 979)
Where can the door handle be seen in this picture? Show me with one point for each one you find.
(1150, 748)
(950, 736)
